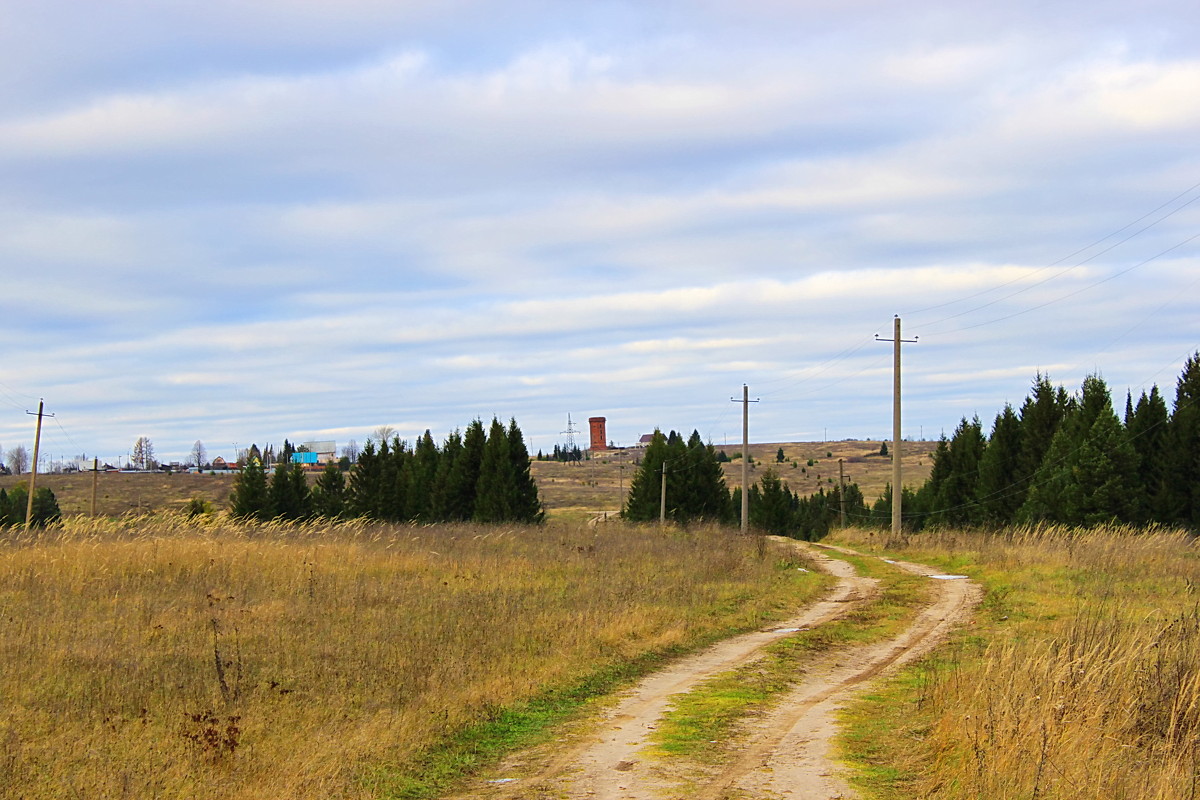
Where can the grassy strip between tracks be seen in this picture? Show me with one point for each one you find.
(700, 723)
(1079, 677)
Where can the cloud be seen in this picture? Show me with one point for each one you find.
(250, 222)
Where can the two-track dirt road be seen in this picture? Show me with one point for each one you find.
(784, 753)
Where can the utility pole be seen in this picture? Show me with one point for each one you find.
(842, 492)
(37, 443)
(95, 480)
(662, 496)
(897, 488)
(745, 401)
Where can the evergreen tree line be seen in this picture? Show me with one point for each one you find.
(474, 476)
(14, 504)
(562, 453)
(696, 491)
(1068, 459)
(774, 508)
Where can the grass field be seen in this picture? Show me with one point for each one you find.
(570, 491)
(164, 658)
(1080, 678)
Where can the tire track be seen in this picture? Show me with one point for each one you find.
(786, 750)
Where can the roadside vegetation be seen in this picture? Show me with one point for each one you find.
(199, 657)
(1079, 679)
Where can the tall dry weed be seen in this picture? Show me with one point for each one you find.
(1083, 678)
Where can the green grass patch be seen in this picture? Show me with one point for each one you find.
(483, 744)
(700, 723)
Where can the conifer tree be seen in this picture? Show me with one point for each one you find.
(366, 483)
(1147, 425)
(493, 498)
(250, 498)
(956, 497)
(419, 478)
(1088, 475)
(463, 481)
(392, 503)
(1000, 491)
(1181, 495)
(1041, 415)
(772, 505)
(289, 492)
(645, 487)
(526, 505)
(329, 493)
(702, 493)
(442, 504)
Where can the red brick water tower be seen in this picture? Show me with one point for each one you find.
(599, 440)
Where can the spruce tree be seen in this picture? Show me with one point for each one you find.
(1000, 491)
(250, 498)
(526, 505)
(772, 505)
(1089, 472)
(419, 478)
(497, 486)
(1041, 415)
(645, 487)
(1147, 425)
(462, 484)
(442, 506)
(1181, 495)
(329, 493)
(366, 483)
(704, 495)
(289, 492)
(956, 496)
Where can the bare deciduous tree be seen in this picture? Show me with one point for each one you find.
(18, 459)
(199, 454)
(143, 453)
(383, 433)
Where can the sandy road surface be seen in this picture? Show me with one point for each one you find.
(785, 752)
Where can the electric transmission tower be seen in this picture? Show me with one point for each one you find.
(570, 434)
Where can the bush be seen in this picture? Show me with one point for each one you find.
(198, 506)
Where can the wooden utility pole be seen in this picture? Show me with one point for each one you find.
(745, 401)
(662, 496)
(842, 492)
(95, 480)
(37, 443)
(897, 486)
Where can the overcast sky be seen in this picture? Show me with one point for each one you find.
(244, 221)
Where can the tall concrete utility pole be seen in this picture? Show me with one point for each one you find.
(897, 477)
(745, 401)
(37, 443)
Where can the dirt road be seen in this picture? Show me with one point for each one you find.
(785, 753)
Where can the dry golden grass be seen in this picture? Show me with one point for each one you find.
(1081, 679)
(166, 658)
